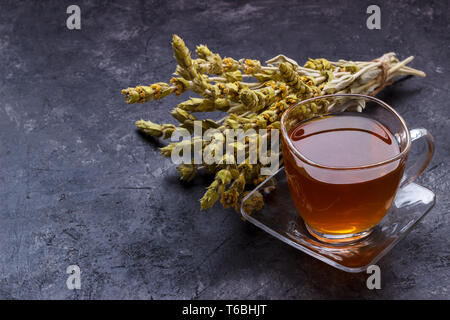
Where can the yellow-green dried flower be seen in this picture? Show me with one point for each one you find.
(292, 99)
(150, 128)
(234, 173)
(181, 85)
(182, 115)
(318, 64)
(221, 104)
(160, 90)
(215, 65)
(168, 130)
(233, 76)
(266, 76)
(181, 52)
(254, 101)
(132, 95)
(209, 124)
(203, 52)
(187, 171)
(292, 79)
(251, 66)
(246, 168)
(209, 198)
(239, 183)
(232, 124)
(156, 130)
(183, 73)
(254, 203)
(274, 125)
(352, 68)
(229, 64)
(224, 176)
(167, 150)
(211, 195)
(259, 179)
(229, 198)
(141, 94)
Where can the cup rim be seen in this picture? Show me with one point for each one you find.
(312, 163)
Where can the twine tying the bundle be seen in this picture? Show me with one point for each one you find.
(383, 76)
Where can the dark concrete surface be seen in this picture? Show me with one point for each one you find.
(79, 185)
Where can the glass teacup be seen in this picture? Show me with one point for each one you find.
(344, 186)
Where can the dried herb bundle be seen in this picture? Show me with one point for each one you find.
(253, 96)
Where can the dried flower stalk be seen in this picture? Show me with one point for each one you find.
(253, 96)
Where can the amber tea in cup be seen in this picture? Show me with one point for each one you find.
(344, 168)
(360, 198)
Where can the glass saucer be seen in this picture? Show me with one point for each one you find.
(280, 218)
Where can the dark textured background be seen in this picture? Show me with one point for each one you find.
(79, 185)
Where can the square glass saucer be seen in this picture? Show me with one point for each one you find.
(280, 218)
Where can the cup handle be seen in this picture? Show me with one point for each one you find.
(414, 170)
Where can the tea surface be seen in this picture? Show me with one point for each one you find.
(344, 141)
